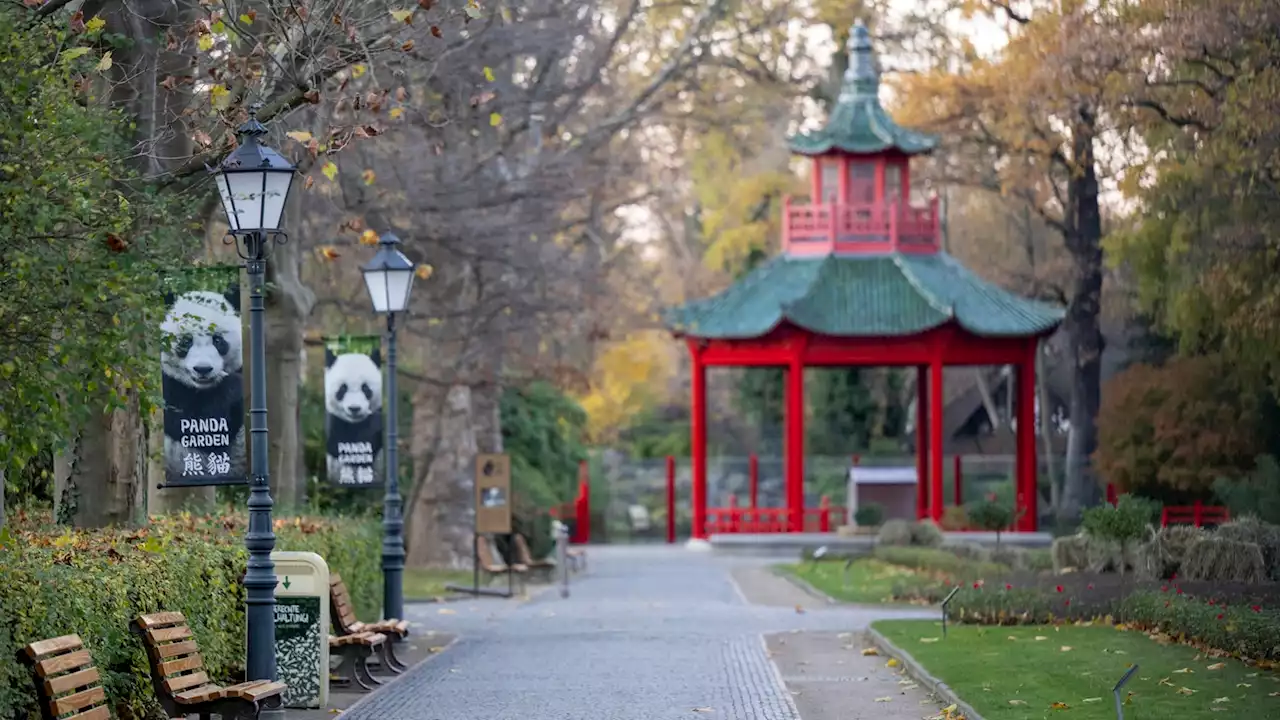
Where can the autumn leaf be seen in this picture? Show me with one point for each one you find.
(1243, 685)
(488, 73)
(1017, 702)
(407, 45)
(1185, 691)
(1041, 637)
(205, 43)
(1184, 671)
(1216, 666)
(105, 63)
(369, 177)
(357, 71)
(473, 10)
(369, 237)
(1065, 648)
(301, 136)
(424, 272)
(202, 138)
(1059, 706)
(1092, 700)
(929, 640)
(893, 662)
(426, 4)
(404, 16)
(74, 53)
(307, 182)
(330, 170)
(95, 24)
(703, 710)
(446, 611)
(396, 113)
(249, 17)
(435, 31)
(870, 651)
(495, 119)
(328, 253)
(219, 96)
(1218, 701)
(884, 699)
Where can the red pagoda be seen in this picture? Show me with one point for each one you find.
(862, 281)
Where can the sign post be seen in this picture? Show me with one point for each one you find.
(302, 628)
(493, 515)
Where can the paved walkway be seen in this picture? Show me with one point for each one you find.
(649, 633)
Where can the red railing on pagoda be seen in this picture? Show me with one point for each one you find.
(824, 228)
(734, 519)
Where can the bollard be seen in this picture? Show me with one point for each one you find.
(1128, 675)
(562, 556)
(946, 600)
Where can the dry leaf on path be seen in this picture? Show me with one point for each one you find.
(447, 611)
(1216, 666)
(893, 662)
(883, 699)
(703, 710)
(870, 651)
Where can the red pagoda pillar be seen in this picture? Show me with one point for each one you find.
(935, 439)
(1027, 493)
(698, 441)
(795, 443)
(922, 443)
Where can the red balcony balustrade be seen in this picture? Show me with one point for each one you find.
(846, 228)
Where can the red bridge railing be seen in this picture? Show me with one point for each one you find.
(1197, 514)
(734, 519)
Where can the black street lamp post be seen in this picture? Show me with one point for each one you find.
(389, 278)
(254, 183)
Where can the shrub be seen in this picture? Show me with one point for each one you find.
(1015, 557)
(1218, 559)
(939, 561)
(1247, 632)
(954, 518)
(868, 515)
(1176, 427)
(1113, 529)
(969, 551)
(1252, 530)
(1257, 493)
(93, 583)
(926, 534)
(992, 516)
(894, 533)
(1070, 552)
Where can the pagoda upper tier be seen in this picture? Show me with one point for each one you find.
(861, 199)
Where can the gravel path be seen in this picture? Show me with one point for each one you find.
(649, 633)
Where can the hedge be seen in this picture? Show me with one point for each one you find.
(1249, 632)
(938, 560)
(58, 581)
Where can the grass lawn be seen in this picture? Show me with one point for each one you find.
(868, 581)
(426, 584)
(1016, 673)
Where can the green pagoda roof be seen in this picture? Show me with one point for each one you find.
(858, 124)
(862, 296)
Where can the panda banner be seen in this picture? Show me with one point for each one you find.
(353, 409)
(202, 363)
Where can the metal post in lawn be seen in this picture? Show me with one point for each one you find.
(945, 602)
(562, 557)
(1124, 679)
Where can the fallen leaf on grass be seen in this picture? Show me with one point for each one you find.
(1216, 666)
(1184, 670)
(1012, 637)
(1274, 694)
(1165, 681)
(1041, 637)
(870, 651)
(1059, 706)
(1185, 691)
(1243, 685)
(1219, 701)
(1017, 702)
(928, 640)
(1092, 700)
(884, 699)
(1065, 648)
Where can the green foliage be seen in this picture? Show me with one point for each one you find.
(542, 431)
(1244, 631)
(1171, 431)
(1124, 522)
(842, 411)
(868, 515)
(83, 250)
(925, 533)
(657, 433)
(990, 515)
(93, 583)
(894, 533)
(1257, 493)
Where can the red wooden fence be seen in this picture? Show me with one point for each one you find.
(734, 519)
(1197, 514)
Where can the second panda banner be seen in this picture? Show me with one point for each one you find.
(353, 409)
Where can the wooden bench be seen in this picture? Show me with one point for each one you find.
(492, 563)
(544, 568)
(354, 652)
(182, 686)
(66, 680)
(345, 624)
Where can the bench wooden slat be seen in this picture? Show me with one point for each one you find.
(67, 683)
(190, 662)
(102, 712)
(63, 663)
(79, 701)
(37, 650)
(174, 649)
(181, 632)
(255, 690)
(181, 683)
(199, 695)
(160, 619)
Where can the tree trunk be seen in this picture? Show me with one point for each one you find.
(442, 512)
(161, 502)
(1084, 243)
(289, 303)
(98, 481)
(1046, 431)
(1, 497)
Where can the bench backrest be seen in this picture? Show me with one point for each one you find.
(523, 556)
(343, 611)
(487, 554)
(176, 665)
(66, 679)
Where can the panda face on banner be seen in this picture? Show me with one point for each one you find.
(202, 340)
(353, 387)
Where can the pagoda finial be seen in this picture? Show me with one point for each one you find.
(862, 77)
